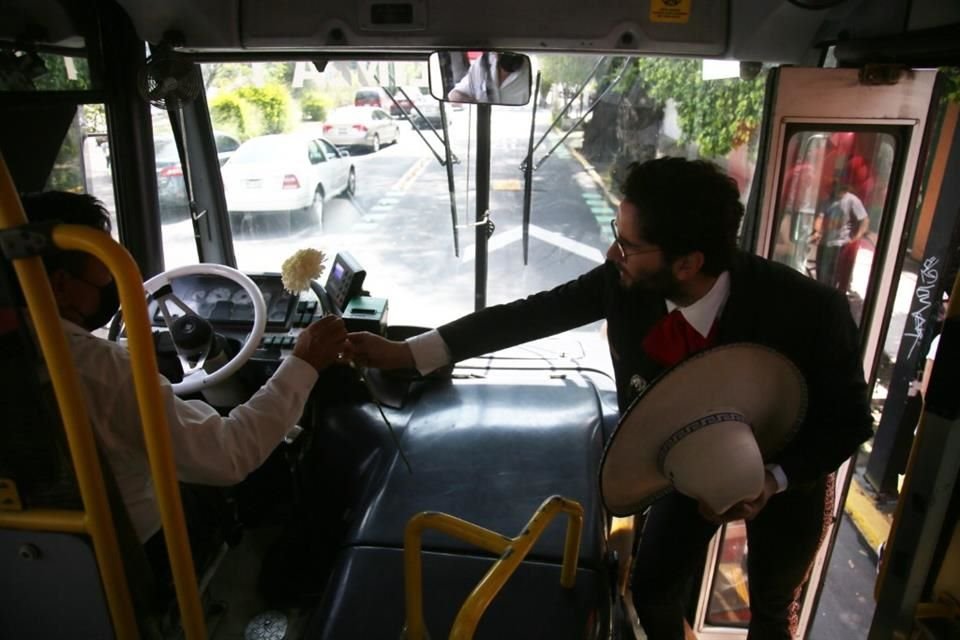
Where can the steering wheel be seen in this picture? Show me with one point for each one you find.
(197, 338)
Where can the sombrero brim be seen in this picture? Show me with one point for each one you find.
(755, 381)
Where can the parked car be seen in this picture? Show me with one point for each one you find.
(429, 111)
(372, 97)
(171, 188)
(413, 94)
(360, 127)
(287, 174)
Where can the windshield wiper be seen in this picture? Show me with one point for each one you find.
(528, 166)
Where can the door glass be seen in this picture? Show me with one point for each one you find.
(729, 597)
(833, 193)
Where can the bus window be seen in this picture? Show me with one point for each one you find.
(44, 72)
(833, 195)
(179, 244)
(83, 163)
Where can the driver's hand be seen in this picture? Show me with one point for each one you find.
(322, 343)
(370, 350)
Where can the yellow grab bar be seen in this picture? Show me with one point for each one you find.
(512, 551)
(98, 520)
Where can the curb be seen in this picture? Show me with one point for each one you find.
(612, 199)
(872, 524)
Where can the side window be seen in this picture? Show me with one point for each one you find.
(330, 149)
(315, 153)
(833, 197)
(226, 143)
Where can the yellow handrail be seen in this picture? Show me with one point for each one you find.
(97, 519)
(512, 551)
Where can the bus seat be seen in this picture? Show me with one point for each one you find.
(506, 446)
(365, 598)
(42, 572)
(51, 587)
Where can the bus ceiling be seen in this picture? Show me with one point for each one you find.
(778, 31)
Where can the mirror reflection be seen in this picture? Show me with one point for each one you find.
(480, 77)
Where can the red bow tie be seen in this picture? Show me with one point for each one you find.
(672, 339)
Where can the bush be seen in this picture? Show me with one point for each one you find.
(314, 106)
(272, 103)
(228, 114)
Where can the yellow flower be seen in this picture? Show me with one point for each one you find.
(300, 268)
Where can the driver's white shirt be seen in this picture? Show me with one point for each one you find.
(207, 448)
(475, 82)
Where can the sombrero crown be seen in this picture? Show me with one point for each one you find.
(704, 428)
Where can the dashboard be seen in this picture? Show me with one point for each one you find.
(229, 309)
(225, 304)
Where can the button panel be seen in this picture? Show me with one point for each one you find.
(305, 313)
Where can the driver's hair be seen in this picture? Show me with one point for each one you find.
(67, 208)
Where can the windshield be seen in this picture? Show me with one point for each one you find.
(395, 215)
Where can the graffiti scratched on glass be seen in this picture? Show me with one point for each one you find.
(925, 286)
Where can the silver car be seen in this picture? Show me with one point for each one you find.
(367, 127)
(288, 174)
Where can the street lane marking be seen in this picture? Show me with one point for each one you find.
(499, 241)
(509, 184)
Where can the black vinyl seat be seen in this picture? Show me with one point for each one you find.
(491, 453)
(365, 599)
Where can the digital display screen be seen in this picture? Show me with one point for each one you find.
(337, 275)
(224, 302)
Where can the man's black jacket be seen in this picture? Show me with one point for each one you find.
(769, 304)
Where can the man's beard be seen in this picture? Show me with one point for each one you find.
(662, 282)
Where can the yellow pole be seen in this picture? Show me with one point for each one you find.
(45, 520)
(83, 450)
(413, 572)
(143, 361)
(477, 602)
(512, 551)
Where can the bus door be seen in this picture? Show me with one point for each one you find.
(840, 161)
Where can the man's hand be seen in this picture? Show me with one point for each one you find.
(371, 350)
(746, 510)
(323, 343)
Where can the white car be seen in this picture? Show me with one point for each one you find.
(287, 173)
(368, 127)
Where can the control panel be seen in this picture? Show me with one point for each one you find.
(275, 344)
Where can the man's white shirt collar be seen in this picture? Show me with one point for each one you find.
(703, 313)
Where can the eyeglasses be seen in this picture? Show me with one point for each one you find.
(619, 242)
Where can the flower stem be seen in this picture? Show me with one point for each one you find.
(393, 434)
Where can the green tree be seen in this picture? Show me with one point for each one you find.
(717, 115)
(568, 70)
(314, 106)
(272, 102)
(229, 113)
(952, 90)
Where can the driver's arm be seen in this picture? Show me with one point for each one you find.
(222, 450)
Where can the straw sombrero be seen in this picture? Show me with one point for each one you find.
(704, 428)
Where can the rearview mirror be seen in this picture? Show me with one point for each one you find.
(480, 77)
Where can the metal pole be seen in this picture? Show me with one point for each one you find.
(483, 204)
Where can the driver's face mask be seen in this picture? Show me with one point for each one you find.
(107, 307)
